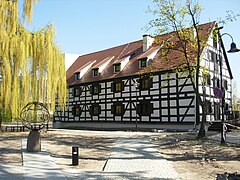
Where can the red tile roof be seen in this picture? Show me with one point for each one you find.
(102, 62)
(85, 65)
(149, 52)
(120, 60)
(135, 50)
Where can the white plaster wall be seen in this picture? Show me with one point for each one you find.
(145, 118)
(124, 62)
(102, 66)
(156, 113)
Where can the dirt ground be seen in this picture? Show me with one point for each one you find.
(199, 159)
(93, 151)
(191, 158)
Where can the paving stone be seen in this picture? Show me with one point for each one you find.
(137, 156)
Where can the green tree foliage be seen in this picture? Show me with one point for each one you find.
(235, 98)
(181, 22)
(31, 65)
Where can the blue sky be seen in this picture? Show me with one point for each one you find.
(85, 26)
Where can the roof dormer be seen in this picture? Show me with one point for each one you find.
(80, 72)
(119, 64)
(99, 67)
(76, 75)
(117, 67)
(95, 72)
(147, 57)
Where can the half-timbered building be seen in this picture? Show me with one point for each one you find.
(113, 89)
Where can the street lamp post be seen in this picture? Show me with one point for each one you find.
(233, 49)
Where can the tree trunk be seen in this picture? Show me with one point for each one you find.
(202, 132)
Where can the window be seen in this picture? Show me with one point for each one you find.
(215, 58)
(216, 82)
(143, 63)
(215, 41)
(118, 109)
(216, 67)
(95, 110)
(95, 89)
(208, 79)
(117, 67)
(76, 111)
(118, 86)
(212, 56)
(208, 107)
(95, 72)
(77, 75)
(145, 108)
(76, 91)
(226, 107)
(145, 83)
(209, 55)
(225, 83)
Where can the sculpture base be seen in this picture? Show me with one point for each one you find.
(34, 141)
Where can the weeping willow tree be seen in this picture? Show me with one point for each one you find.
(31, 65)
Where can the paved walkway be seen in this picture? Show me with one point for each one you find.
(39, 165)
(137, 158)
(11, 172)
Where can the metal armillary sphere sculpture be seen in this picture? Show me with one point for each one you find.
(34, 116)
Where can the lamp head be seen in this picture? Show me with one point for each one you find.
(233, 48)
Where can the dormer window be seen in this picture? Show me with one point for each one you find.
(95, 72)
(117, 67)
(143, 63)
(77, 75)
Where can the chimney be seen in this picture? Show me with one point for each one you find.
(147, 42)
